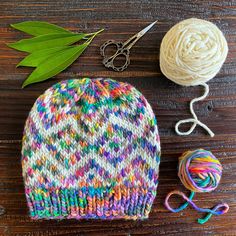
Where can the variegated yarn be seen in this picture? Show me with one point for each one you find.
(199, 171)
(192, 52)
(90, 149)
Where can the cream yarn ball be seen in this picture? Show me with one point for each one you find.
(192, 52)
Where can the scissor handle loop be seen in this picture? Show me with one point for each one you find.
(108, 43)
(109, 61)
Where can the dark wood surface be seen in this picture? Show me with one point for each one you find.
(121, 19)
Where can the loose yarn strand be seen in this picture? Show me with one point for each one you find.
(217, 210)
(194, 120)
(180, 208)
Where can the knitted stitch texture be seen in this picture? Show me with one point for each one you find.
(90, 149)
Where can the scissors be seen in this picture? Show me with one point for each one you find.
(122, 49)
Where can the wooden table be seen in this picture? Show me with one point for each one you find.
(121, 19)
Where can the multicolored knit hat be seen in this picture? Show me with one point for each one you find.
(91, 149)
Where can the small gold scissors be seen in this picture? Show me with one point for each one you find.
(122, 49)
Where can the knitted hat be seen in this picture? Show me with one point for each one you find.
(90, 149)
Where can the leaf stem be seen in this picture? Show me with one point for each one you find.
(95, 33)
(89, 40)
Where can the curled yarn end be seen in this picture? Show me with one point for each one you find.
(219, 209)
(195, 121)
(222, 209)
(183, 206)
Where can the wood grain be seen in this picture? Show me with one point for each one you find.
(121, 19)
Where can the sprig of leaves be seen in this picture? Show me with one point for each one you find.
(51, 50)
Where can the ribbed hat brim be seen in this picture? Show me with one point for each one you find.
(90, 202)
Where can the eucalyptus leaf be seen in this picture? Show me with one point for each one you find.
(37, 28)
(46, 41)
(55, 64)
(37, 57)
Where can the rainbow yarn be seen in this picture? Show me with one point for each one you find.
(90, 149)
(199, 171)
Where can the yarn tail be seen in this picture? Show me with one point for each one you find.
(194, 120)
(219, 209)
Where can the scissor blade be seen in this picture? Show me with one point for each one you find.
(142, 32)
(130, 42)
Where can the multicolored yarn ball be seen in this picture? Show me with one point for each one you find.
(90, 149)
(199, 171)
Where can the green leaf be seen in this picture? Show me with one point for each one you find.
(46, 41)
(55, 64)
(37, 57)
(37, 28)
